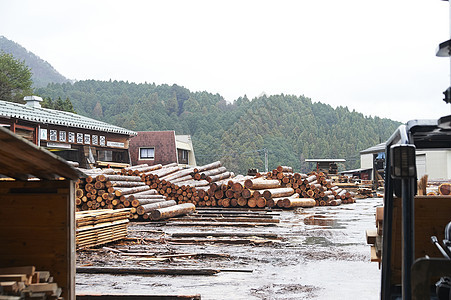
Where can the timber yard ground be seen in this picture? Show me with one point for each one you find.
(320, 253)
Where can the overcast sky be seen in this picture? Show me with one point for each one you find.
(377, 57)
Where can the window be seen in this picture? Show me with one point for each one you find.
(182, 156)
(105, 155)
(146, 153)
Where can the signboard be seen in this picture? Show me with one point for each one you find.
(43, 134)
(58, 145)
(115, 144)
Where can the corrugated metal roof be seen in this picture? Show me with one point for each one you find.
(325, 160)
(56, 117)
(374, 149)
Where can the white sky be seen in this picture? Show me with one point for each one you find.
(377, 57)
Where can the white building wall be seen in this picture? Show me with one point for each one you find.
(366, 161)
(438, 164)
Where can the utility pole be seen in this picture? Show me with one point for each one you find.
(266, 160)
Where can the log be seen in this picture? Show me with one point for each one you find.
(444, 189)
(226, 234)
(335, 202)
(177, 174)
(128, 191)
(193, 183)
(149, 192)
(184, 178)
(166, 171)
(298, 202)
(212, 172)
(260, 184)
(213, 165)
(278, 192)
(122, 178)
(144, 271)
(310, 179)
(127, 183)
(219, 177)
(142, 209)
(284, 169)
(169, 212)
(138, 202)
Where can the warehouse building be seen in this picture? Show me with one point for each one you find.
(434, 163)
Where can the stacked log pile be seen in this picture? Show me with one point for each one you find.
(213, 185)
(146, 188)
(109, 189)
(313, 186)
(27, 283)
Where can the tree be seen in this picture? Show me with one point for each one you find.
(15, 79)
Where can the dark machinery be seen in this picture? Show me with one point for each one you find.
(400, 188)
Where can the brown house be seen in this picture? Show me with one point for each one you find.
(161, 147)
(71, 136)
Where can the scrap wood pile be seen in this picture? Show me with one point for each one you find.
(99, 227)
(25, 283)
(110, 189)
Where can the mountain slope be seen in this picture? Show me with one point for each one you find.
(290, 128)
(43, 72)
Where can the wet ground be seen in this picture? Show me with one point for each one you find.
(320, 253)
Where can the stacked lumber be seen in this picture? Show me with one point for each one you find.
(25, 282)
(374, 237)
(94, 228)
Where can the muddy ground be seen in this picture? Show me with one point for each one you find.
(319, 253)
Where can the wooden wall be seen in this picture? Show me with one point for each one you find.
(37, 227)
(432, 213)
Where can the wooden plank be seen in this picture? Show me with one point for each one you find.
(220, 224)
(374, 257)
(379, 214)
(371, 235)
(239, 219)
(146, 271)
(14, 277)
(137, 297)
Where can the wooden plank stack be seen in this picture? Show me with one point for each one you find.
(25, 283)
(100, 227)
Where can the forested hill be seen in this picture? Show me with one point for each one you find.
(43, 72)
(291, 128)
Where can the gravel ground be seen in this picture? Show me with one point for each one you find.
(321, 253)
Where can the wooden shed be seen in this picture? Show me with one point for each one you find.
(37, 210)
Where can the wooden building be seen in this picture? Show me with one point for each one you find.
(326, 165)
(70, 136)
(37, 217)
(161, 147)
